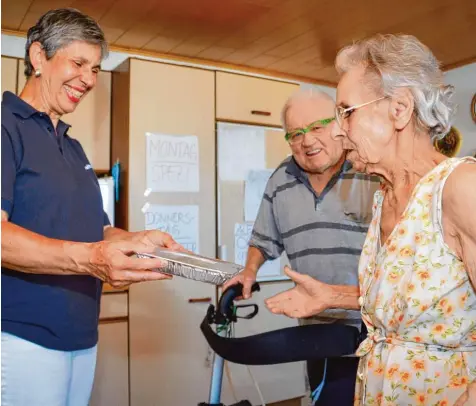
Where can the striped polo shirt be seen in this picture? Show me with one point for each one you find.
(322, 235)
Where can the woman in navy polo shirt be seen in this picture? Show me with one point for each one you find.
(57, 244)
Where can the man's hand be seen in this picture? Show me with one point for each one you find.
(246, 277)
(308, 298)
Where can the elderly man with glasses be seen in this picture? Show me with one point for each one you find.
(316, 208)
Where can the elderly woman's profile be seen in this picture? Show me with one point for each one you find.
(417, 271)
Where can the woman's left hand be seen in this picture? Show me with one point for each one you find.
(468, 398)
(159, 239)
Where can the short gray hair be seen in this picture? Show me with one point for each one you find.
(303, 94)
(59, 28)
(397, 61)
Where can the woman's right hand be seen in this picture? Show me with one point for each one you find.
(308, 298)
(246, 277)
(114, 262)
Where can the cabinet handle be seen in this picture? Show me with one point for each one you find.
(260, 113)
(200, 300)
(108, 320)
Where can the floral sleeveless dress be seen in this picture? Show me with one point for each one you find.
(418, 304)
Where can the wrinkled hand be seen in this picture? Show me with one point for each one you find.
(308, 298)
(157, 239)
(468, 398)
(114, 262)
(246, 277)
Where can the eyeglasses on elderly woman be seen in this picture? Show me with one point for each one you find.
(341, 113)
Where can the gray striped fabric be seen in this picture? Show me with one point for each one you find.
(321, 235)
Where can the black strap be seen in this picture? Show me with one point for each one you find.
(303, 343)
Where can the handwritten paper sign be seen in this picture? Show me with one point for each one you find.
(255, 185)
(242, 238)
(172, 163)
(181, 222)
(240, 148)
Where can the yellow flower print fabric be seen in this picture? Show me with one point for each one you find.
(418, 304)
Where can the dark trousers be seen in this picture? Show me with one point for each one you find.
(339, 385)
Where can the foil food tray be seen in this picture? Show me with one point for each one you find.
(193, 266)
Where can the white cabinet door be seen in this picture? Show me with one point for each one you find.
(111, 383)
(276, 382)
(234, 144)
(246, 99)
(9, 74)
(168, 352)
(113, 305)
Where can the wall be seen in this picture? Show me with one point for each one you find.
(464, 81)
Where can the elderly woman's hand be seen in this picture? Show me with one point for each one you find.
(468, 398)
(308, 298)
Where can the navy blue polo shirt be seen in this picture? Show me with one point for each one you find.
(50, 188)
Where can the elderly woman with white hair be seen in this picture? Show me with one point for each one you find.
(417, 272)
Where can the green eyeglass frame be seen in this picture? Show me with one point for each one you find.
(290, 136)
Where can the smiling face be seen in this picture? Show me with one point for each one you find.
(318, 150)
(67, 77)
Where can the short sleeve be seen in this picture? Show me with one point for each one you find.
(266, 235)
(9, 171)
(106, 221)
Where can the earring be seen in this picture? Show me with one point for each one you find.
(37, 73)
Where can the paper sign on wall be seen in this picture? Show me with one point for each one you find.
(255, 185)
(181, 222)
(242, 238)
(172, 163)
(240, 149)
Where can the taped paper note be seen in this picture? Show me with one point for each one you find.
(172, 163)
(240, 149)
(145, 207)
(181, 222)
(255, 185)
(242, 238)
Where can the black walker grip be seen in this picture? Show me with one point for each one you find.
(225, 304)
